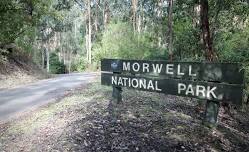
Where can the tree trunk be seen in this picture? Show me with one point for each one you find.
(160, 20)
(63, 50)
(47, 56)
(134, 13)
(64, 55)
(103, 14)
(70, 59)
(36, 45)
(170, 29)
(89, 33)
(207, 42)
(106, 12)
(60, 52)
(216, 19)
(196, 15)
(87, 51)
(210, 54)
(35, 52)
(75, 30)
(139, 23)
(97, 17)
(43, 58)
(196, 25)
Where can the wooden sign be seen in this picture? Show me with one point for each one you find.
(210, 81)
(201, 90)
(214, 82)
(203, 71)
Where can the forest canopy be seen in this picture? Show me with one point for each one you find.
(80, 33)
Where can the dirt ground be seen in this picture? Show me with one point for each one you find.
(87, 120)
(17, 69)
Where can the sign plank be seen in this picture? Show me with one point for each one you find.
(214, 72)
(201, 90)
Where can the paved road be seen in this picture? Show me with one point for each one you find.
(21, 99)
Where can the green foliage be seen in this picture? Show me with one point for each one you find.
(33, 23)
(120, 41)
(18, 16)
(186, 40)
(234, 46)
(56, 67)
(79, 64)
(26, 40)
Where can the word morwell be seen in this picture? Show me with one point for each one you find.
(169, 69)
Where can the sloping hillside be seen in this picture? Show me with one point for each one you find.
(17, 68)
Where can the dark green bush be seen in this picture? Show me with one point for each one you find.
(56, 67)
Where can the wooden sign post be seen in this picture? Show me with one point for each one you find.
(211, 112)
(117, 92)
(215, 82)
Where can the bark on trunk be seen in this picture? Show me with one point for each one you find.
(47, 56)
(64, 51)
(139, 23)
(69, 57)
(75, 29)
(216, 19)
(170, 29)
(86, 38)
(97, 17)
(106, 13)
(206, 37)
(134, 13)
(43, 58)
(89, 33)
(60, 47)
(196, 15)
(160, 39)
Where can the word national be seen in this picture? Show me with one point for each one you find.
(170, 69)
(135, 83)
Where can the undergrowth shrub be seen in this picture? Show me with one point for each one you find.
(56, 67)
